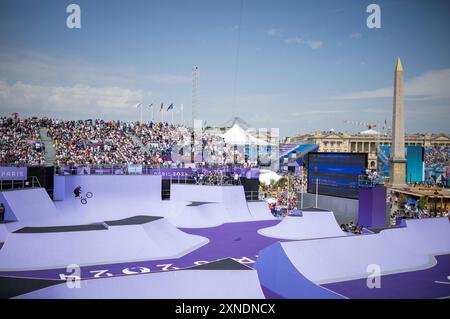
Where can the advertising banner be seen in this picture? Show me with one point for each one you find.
(13, 173)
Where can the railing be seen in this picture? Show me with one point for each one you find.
(249, 195)
(371, 180)
(252, 196)
(102, 170)
(224, 181)
(123, 169)
(30, 182)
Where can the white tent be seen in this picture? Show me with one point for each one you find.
(370, 132)
(237, 136)
(267, 176)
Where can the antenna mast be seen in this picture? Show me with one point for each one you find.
(194, 93)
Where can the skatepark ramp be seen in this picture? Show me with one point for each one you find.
(3, 233)
(331, 260)
(216, 280)
(209, 206)
(106, 197)
(260, 210)
(311, 225)
(30, 206)
(153, 240)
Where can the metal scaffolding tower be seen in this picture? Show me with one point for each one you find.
(194, 94)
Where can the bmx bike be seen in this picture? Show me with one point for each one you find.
(84, 199)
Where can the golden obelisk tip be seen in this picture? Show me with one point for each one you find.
(399, 67)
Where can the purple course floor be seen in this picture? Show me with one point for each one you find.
(241, 242)
(235, 240)
(427, 283)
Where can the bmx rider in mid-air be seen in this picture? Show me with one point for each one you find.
(77, 191)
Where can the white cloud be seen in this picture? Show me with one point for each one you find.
(36, 83)
(78, 98)
(310, 43)
(37, 67)
(273, 32)
(430, 85)
(313, 44)
(293, 40)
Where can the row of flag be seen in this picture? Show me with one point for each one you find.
(170, 107)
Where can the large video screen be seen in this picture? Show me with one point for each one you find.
(336, 174)
(414, 162)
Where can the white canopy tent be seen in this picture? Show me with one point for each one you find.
(236, 135)
(267, 176)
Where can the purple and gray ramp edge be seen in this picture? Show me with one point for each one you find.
(214, 205)
(239, 241)
(113, 197)
(318, 268)
(181, 284)
(413, 262)
(154, 240)
(317, 224)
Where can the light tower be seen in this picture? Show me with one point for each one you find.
(194, 93)
(194, 109)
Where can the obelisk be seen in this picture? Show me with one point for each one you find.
(397, 161)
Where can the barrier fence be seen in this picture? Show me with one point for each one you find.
(31, 181)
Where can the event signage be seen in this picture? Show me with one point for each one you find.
(166, 173)
(13, 173)
(134, 169)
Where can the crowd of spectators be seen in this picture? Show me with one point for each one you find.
(94, 142)
(216, 178)
(351, 227)
(284, 195)
(437, 157)
(102, 143)
(20, 142)
(160, 139)
(408, 208)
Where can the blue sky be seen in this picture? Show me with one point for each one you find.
(295, 65)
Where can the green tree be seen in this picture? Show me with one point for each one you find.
(281, 183)
(423, 201)
(402, 201)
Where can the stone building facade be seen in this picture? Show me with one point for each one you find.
(365, 142)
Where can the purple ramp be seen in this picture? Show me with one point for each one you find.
(182, 284)
(30, 206)
(428, 283)
(333, 260)
(113, 197)
(155, 240)
(310, 225)
(239, 241)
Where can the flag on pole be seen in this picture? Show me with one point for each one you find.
(162, 107)
(170, 107)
